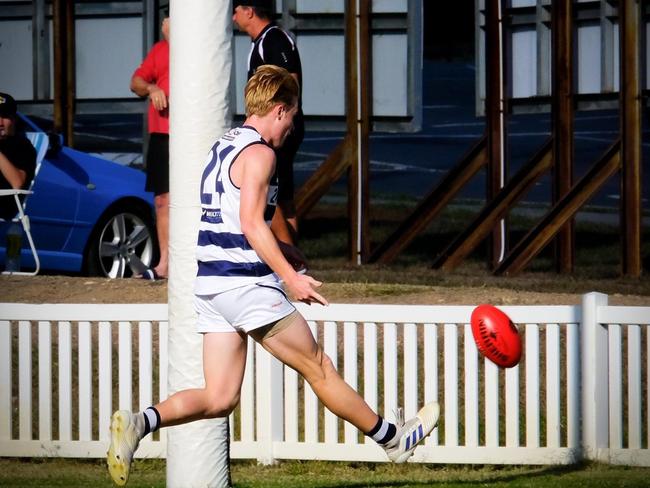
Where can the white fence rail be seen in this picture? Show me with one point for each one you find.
(581, 390)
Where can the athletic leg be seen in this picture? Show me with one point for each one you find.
(157, 163)
(293, 343)
(161, 203)
(295, 346)
(224, 360)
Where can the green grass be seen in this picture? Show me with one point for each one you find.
(47, 473)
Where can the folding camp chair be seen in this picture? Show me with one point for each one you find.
(40, 141)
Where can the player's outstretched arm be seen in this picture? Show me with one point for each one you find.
(254, 171)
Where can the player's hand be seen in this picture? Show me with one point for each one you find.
(157, 97)
(294, 255)
(303, 288)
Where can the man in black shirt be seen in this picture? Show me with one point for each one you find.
(272, 45)
(17, 157)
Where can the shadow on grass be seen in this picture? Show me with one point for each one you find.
(546, 476)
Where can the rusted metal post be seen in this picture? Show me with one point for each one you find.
(358, 125)
(562, 125)
(495, 109)
(630, 102)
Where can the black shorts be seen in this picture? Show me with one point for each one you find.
(285, 157)
(158, 164)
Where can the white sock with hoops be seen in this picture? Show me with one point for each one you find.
(383, 432)
(151, 420)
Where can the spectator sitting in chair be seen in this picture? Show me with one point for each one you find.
(17, 157)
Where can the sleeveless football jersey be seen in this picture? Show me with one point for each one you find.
(226, 259)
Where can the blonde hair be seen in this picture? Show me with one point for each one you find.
(269, 86)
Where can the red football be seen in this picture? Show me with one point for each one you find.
(496, 336)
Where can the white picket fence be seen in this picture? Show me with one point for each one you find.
(581, 390)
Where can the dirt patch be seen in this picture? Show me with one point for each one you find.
(80, 289)
(73, 289)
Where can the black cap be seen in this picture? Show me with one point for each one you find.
(7, 105)
(253, 3)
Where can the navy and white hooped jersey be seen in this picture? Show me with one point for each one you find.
(225, 257)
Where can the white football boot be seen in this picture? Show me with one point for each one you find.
(126, 431)
(411, 433)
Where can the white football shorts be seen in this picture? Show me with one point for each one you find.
(242, 309)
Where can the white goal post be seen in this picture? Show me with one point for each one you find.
(200, 67)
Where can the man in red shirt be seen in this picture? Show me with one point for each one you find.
(151, 80)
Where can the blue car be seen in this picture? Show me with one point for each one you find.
(88, 215)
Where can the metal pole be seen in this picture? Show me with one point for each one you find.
(351, 140)
(58, 35)
(544, 55)
(364, 67)
(357, 32)
(288, 12)
(41, 51)
(562, 117)
(150, 29)
(70, 72)
(630, 101)
(149, 24)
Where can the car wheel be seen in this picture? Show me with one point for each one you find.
(122, 246)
